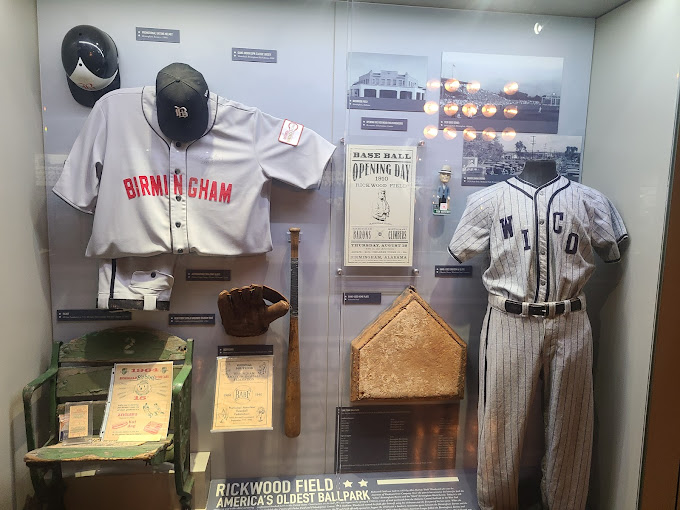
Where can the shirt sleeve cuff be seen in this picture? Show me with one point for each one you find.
(70, 202)
(325, 155)
(448, 248)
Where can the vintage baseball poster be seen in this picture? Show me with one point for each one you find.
(243, 393)
(379, 205)
(138, 407)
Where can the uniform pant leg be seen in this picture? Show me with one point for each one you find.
(136, 283)
(510, 363)
(569, 413)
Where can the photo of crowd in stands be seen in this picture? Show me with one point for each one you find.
(498, 92)
(379, 81)
(487, 162)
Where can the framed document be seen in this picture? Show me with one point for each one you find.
(379, 205)
(138, 405)
(79, 420)
(243, 393)
(75, 425)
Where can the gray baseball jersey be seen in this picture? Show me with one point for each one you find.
(151, 195)
(541, 242)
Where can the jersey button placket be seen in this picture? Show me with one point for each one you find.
(542, 248)
(178, 202)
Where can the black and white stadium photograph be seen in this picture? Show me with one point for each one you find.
(484, 91)
(386, 82)
(487, 161)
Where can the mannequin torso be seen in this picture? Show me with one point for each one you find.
(539, 171)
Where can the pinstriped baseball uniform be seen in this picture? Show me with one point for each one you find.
(541, 243)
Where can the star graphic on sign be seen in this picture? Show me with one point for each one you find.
(348, 483)
(363, 483)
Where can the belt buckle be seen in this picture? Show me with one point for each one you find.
(541, 310)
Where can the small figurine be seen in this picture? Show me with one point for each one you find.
(441, 203)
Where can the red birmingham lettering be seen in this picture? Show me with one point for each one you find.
(158, 186)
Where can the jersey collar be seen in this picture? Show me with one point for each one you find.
(531, 190)
(149, 110)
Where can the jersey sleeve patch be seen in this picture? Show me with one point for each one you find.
(290, 132)
(288, 152)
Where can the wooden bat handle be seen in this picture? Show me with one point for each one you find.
(294, 242)
(292, 410)
(292, 414)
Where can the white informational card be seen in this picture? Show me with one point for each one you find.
(243, 393)
(379, 205)
(138, 405)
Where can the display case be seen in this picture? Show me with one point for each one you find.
(383, 133)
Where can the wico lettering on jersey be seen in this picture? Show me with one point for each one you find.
(542, 240)
(570, 246)
(157, 185)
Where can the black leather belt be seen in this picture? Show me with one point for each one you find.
(135, 304)
(540, 309)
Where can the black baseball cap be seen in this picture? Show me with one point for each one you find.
(182, 102)
(90, 59)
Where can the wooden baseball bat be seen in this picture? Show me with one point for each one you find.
(292, 408)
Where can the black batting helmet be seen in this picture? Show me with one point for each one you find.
(90, 59)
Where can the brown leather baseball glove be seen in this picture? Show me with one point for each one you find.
(245, 313)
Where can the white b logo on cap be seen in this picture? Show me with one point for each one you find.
(181, 111)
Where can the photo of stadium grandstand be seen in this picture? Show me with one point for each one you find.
(386, 82)
(487, 162)
(495, 92)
